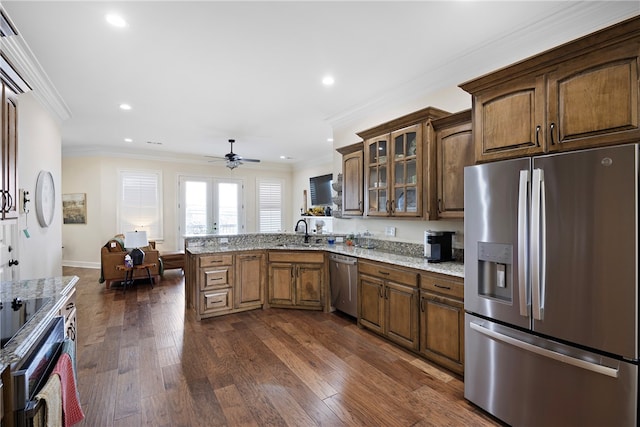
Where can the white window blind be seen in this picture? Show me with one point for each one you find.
(270, 206)
(140, 203)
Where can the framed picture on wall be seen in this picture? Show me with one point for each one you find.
(74, 208)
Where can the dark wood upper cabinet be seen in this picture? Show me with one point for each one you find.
(582, 94)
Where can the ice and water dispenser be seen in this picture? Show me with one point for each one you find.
(495, 271)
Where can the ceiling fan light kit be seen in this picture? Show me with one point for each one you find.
(233, 160)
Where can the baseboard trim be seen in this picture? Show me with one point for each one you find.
(81, 264)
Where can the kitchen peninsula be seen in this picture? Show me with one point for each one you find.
(402, 297)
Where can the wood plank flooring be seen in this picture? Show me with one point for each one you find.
(143, 361)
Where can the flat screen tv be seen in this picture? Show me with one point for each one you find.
(320, 187)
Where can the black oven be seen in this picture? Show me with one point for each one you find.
(33, 372)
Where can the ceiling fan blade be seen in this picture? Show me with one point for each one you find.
(242, 159)
(215, 159)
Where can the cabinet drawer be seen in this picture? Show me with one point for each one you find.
(213, 260)
(216, 277)
(216, 300)
(381, 271)
(308, 257)
(445, 285)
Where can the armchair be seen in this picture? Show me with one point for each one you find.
(113, 253)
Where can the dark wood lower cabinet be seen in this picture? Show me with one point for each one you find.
(388, 307)
(442, 321)
(297, 279)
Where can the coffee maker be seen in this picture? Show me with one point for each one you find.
(437, 246)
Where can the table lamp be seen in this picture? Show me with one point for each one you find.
(136, 240)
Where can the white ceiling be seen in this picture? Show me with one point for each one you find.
(199, 73)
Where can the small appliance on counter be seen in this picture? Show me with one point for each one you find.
(437, 246)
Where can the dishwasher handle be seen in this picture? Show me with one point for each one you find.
(343, 259)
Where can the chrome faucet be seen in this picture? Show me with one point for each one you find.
(306, 232)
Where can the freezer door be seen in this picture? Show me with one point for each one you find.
(496, 205)
(587, 286)
(528, 381)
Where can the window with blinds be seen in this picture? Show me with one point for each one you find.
(140, 203)
(270, 206)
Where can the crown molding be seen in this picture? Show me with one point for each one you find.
(22, 58)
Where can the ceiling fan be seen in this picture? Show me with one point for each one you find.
(234, 160)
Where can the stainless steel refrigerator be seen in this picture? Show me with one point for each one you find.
(551, 288)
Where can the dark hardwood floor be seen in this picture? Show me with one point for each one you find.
(143, 361)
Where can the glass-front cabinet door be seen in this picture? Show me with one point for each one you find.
(407, 171)
(394, 173)
(377, 176)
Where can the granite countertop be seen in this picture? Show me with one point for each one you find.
(55, 287)
(420, 263)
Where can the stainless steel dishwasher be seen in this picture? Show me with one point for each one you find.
(344, 283)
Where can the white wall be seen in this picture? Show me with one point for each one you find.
(39, 148)
(98, 178)
(451, 99)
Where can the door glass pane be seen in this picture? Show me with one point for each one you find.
(382, 201)
(383, 176)
(400, 200)
(411, 144)
(411, 172)
(373, 177)
(373, 200)
(373, 153)
(399, 147)
(399, 177)
(411, 199)
(195, 207)
(228, 212)
(382, 151)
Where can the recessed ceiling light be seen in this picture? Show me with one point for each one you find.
(328, 80)
(126, 107)
(116, 20)
(128, 140)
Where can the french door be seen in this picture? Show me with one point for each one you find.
(210, 205)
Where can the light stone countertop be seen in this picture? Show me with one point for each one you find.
(55, 287)
(449, 268)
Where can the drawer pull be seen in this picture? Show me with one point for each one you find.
(384, 273)
(442, 287)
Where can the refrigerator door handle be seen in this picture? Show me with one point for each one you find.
(523, 267)
(537, 243)
(563, 358)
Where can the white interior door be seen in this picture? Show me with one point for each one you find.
(9, 266)
(210, 205)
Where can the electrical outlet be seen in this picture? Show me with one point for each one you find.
(390, 231)
(224, 240)
(339, 239)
